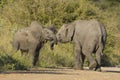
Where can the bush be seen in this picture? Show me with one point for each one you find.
(12, 62)
(61, 56)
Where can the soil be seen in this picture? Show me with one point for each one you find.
(108, 73)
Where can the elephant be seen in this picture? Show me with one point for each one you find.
(31, 39)
(87, 36)
(52, 28)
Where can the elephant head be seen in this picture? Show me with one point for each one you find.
(43, 34)
(53, 29)
(66, 33)
(49, 35)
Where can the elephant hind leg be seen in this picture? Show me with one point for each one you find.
(91, 60)
(83, 58)
(98, 59)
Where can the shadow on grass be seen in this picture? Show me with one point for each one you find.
(112, 70)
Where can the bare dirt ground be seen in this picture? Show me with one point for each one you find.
(108, 73)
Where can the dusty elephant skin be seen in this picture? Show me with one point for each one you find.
(31, 39)
(88, 36)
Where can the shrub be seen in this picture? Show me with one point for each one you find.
(12, 62)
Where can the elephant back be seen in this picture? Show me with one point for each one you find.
(20, 37)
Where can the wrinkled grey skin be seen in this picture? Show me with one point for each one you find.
(88, 37)
(31, 39)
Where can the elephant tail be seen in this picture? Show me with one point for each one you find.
(16, 45)
(102, 39)
(104, 34)
(100, 47)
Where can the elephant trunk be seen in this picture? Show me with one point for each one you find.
(54, 41)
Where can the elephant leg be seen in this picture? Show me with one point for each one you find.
(98, 59)
(83, 58)
(32, 53)
(92, 62)
(78, 57)
(36, 57)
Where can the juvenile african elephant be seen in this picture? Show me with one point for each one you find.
(88, 36)
(32, 38)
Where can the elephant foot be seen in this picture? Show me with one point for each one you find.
(92, 65)
(98, 68)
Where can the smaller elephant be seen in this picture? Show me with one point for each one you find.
(88, 36)
(31, 39)
(52, 27)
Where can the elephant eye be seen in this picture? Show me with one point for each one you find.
(66, 32)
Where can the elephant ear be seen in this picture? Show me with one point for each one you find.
(70, 30)
(52, 28)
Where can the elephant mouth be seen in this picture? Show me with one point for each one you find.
(53, 40)
(60, 40)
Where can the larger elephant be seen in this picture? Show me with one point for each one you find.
(88, 36)
(32, 38)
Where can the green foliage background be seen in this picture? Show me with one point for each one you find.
(17, 14)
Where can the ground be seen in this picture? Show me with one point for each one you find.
(108, 73)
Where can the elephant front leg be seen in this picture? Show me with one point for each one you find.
(36, 57)
(78, 58)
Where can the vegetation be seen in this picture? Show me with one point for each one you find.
(16, 14)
